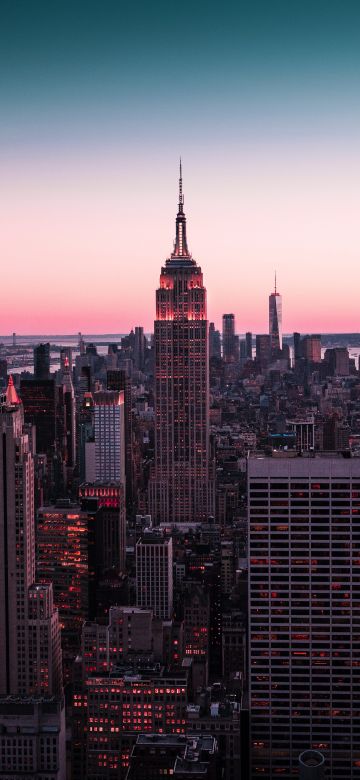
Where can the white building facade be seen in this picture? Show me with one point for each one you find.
(109, 436)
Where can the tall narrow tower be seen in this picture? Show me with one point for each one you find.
(180, 488)
(30, 652)
(275, 321)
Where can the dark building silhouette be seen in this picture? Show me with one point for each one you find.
(248, 342)
(42, 361)
(40, 400)
(230, 345)
(263, 349)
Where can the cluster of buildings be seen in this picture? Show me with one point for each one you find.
(180, 551)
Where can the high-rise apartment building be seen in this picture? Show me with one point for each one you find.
(109, 436)
(275, 321)
(154, 573)
(304, 613)
(180, 488)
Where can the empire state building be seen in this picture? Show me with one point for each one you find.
(180, 487)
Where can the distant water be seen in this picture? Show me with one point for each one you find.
(62, 340)
(101, 340)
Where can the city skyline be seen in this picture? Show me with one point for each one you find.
(179, 390)
(92, 133)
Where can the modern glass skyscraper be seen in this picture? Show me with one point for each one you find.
(275, 321)
(304, 613)
(180, 488)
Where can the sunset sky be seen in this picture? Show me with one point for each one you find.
(97, 102)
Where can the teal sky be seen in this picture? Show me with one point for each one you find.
(98, 99)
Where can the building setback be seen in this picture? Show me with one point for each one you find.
(180, 488)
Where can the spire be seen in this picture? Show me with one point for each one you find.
(180, 245)
(12, 398)
(181, 197)
(275, 282)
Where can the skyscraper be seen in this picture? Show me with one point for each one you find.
(214, 342)
(263, 342)
(31, 701)
(42, 361)
(154, 573)
(109, 436)
(304, 625)
(180, 488)
(17, 553)
(139, 348)
(67, 399)
(248, 341)
(62, 542)
(119, 380)
(311, 348)
(30, 653)
(229, 340)
(41, 408)
(275, 321)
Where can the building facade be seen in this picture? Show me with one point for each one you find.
(109, 436)
(32, 738)
(304, 624)
(154, 573)
(30, 649)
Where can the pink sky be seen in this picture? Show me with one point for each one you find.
(82, 240)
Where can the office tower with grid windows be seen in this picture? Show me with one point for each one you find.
(154, 573)
(304, 613)
(109, 436)
(180, 489)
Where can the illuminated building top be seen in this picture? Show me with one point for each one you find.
(12, 398)
(181, 252)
